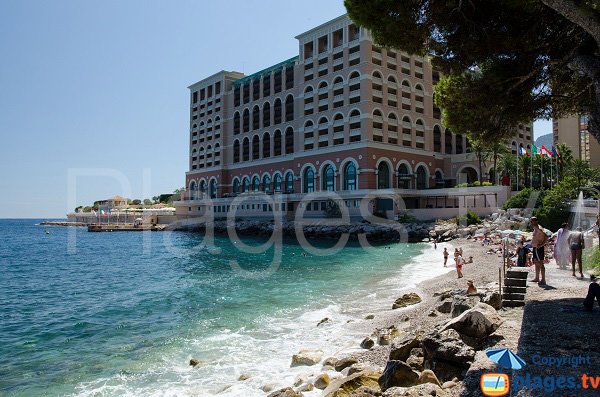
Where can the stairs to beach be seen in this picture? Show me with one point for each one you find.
(515, 287)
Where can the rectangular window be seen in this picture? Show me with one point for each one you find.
(217, 88)
(195, 97)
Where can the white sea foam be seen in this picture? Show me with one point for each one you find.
(264, 350)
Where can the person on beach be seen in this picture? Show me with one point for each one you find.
(562, 252)
(446, 254)
(522, 254)
(593, 294)
(459, 266)
(538, 242)
(577, 244)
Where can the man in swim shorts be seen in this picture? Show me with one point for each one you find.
(538, 242)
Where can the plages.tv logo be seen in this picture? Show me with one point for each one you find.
(495, 384)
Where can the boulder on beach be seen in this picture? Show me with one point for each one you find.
(461, 304)
(447, 345)
(445, 307)
(347, 386)
(493, 298)
(407, 300)
(367, 343)
(322, 381)
(397, 373)
(478, 322)
(427, 376)
(330, 362)
(194, 362)
(286, 392)
(325, 321)
(401, 347)
(345, 362)
(243, 377)
(306, 357)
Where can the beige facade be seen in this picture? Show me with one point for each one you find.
(573, 132)
(343, 116)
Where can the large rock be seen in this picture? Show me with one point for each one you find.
(346, 387)
(493, 298)
(397, 373)
(461, 304)
(427, 376)
(425, 390)
(401, 347)
(478, 322)
(287, 392)
(406, 300)
(445, 307)
(322, 381)
(307, 357)
(448, 346)
(345, 362)
(415, 362)
(367, 343)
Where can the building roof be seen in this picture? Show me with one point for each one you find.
(118, 198)
(241, 81)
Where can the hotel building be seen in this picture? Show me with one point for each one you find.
(343, 116)
(573, 132)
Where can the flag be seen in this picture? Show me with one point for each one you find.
(102, 212)
(545, 151)
(555, 152)
(534, 150)
(94, 212)
(522, 151)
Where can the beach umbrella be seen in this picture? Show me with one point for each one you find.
(505, 358)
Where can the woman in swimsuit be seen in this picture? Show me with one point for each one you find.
(577, 244)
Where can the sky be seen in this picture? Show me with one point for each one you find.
(93, 95)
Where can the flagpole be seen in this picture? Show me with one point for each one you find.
(541, 172)
(551, 174)
(518, 152)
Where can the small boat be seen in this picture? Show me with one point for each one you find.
(46, 231)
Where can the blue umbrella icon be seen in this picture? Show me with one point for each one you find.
(505, 358)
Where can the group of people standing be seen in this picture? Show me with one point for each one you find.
(458, 260)
(569, 247)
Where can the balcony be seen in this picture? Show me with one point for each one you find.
(392, 134)
(377, 131)
(378, 119)
(353, 41)
(338, 135)
(376, 55)
(354, 80)
(405, 65)
(377, 80)
(308, 60)
(406, 124)
(338, 122)
(322, 90)
(308, 106)
(406, 137)
(338, 61)
(323, 67)
(309, 141)
(354, 131)
(308, 72)
(418, 69)
(420, 139)
(392, 97)
(420, 127)
(323, 102)
(406, 101)
(338, 98)
(354, 55)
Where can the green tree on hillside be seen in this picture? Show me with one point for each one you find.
(505, 62)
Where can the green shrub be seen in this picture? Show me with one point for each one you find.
(487, 184)
(521, 199)
(475, 184)
(554, 208)
(462, 185)
(406, 218)
(591, 261)
(470, 219)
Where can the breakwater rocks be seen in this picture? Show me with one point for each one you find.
(385, 231)
(319, 229)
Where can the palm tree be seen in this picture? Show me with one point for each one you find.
(508, 166)
(482, 153)
(525, 165)
(498, 151)
(566, 158)
(582, 171)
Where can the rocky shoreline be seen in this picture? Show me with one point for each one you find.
(430, 341)
(384, 232)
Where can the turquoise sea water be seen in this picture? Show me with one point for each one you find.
(121, 314)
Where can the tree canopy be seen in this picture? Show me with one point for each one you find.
(504, 62)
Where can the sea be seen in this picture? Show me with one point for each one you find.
(123, 313)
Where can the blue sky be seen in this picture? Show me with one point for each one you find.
(93, 87)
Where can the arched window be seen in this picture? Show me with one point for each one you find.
(246, 120)
(328, 178)
(277, 111)
(289, 140)
(289, 182)
(309, 180)
(448, 142)
(266, 114)
(236, 151)
(383, 176)
(255, 147)
(437, 139)
(193, 191)
(421, 177)
(246, 184)
(255, 118)
(404, 177)
(350, 176)
(277, 183)
(266, 184)
(213, 189)
(338, 80)
(289, 108)
(236, 186)
(354, 75)
(266, 152)
(256, 184)
(202, 189)
(459, 144)
(277, 143)
(377, 75)
(246, 149)
(236, 123)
